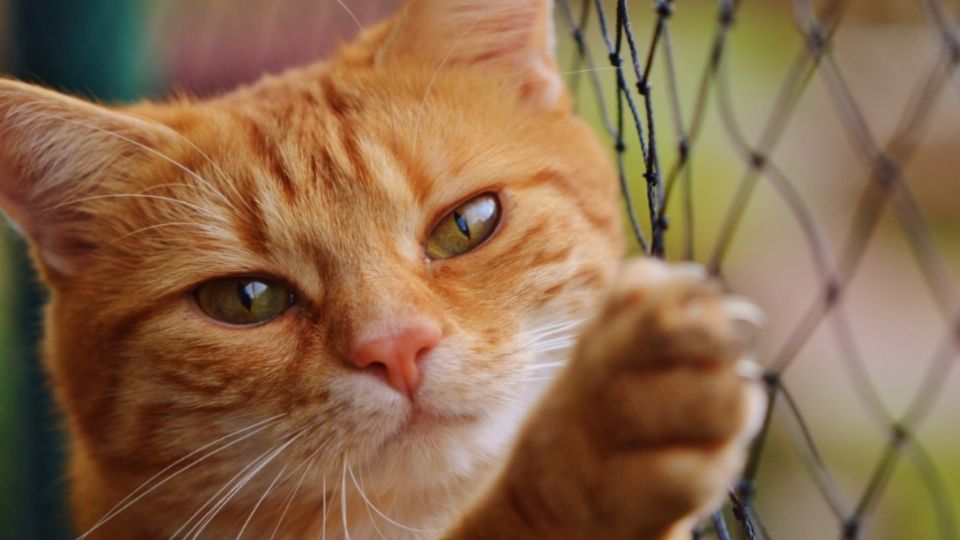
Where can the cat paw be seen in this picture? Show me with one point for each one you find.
(666, 396)
(647, 428)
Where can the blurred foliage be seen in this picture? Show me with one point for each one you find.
(93, 48)
(883, 49)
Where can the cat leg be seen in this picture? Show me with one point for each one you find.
(646, 429)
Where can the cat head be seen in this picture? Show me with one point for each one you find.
(377, 259)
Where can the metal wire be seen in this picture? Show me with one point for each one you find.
(884, 163)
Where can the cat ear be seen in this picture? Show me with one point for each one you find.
(515, 37)
(55, 149)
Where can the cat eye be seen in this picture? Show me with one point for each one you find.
(243, 301)
(465, 228)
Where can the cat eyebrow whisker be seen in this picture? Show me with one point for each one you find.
(588, 70)
(510, 90)
(163, 198)
(223, 198)
(157, 226)
(143, 490)
(223, 175)
(352, 15)
(436, 74)
(153, 151)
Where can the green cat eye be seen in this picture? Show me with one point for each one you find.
(465, 228)
(243, 301)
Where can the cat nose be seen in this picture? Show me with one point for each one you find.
(397, 357)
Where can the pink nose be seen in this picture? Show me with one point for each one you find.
(398, 355)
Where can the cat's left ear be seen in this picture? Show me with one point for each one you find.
(57, 150)
(514, 37)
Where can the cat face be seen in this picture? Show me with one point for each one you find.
(333, 189)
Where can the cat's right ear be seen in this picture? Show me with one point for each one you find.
(511, 37)
(55, 149)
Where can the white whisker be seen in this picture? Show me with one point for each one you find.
(538, 334)
(260, 501)
(564, 341)
(343, 498)
(514, 402)
(366, 502)
(142, 491)
(550, 328)
(157, 226)
(290, 498)
(223, 175)
(259, 465)
(555, 347)
(323, 534)
(162, 198)
(216, 497)
(352, 16)
(551, 365)
(539, 379)
(588, 70)
(433, 79)
(379, 513)
(307, 463)
(146, 148)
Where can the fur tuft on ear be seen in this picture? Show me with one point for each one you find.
(515, 37)
(55, 149)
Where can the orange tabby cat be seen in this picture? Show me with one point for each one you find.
(328, 305)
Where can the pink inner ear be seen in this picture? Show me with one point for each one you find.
(56, 149)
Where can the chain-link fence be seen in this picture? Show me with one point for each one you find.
(654, 104)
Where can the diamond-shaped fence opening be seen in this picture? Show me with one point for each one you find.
(804, 151)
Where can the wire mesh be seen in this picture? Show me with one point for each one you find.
(634, 41)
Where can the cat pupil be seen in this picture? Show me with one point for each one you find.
(248, 292)
(462, 224)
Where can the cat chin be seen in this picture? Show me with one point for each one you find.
(429, 452)
(443, 439)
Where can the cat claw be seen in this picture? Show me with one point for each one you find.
(694, 270)
(748, 370)
(744, 312)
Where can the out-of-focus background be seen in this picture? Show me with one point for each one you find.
(129, 49)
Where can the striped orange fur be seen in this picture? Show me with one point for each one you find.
(330, 178)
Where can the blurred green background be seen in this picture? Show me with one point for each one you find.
(96, 49)
(128, 49)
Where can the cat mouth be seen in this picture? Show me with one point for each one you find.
(422, 423)
(420, 418)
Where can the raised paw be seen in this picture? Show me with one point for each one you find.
(647, 428)
(665, 362)
(666, 396)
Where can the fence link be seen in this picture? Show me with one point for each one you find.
(635, 65)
